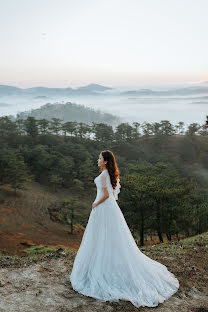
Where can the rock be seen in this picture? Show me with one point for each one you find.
(2, 283)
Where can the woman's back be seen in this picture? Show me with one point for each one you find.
(104, 181)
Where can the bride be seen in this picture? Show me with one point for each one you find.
(109, 265)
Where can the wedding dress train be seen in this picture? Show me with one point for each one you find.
(109, 265)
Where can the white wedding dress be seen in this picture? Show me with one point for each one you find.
(109, 265)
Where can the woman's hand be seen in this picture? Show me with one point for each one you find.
(94, 205)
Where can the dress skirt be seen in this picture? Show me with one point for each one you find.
(109, 265)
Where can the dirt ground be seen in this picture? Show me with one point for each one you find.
(41, 283)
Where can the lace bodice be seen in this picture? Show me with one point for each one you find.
(103, 181)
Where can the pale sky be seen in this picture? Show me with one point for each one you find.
(70, 43)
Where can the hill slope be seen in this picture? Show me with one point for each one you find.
(70, 112)
(25, 220)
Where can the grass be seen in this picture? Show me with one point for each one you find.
(44, 249)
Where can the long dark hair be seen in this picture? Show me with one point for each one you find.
(111, 166)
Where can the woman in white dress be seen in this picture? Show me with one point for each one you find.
(109, 265)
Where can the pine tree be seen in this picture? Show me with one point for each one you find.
(17, 173)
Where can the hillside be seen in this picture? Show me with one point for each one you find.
(41, 283)
(70, 112)
(25, 220)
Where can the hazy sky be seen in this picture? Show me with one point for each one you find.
(61, 43)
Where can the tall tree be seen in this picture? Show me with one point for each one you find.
(102, 132)
(55, 125)
(71, 206)
(8, 128)
(135, 132)
(70, 127)
(31, 126)
(16, 172)
(179, 128)
(124, 132)
(193, 128)
(20, 124)
(83, 130)
(43, 125)
(159, 190)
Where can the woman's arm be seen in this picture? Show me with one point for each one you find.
(105, 196)
(104, 189)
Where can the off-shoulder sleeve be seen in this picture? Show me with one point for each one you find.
(116, 191)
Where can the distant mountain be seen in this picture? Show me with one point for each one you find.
(41, 97)
(70, 112)
(179, 91)
(91, 89)
(43, 91)
(9, 90)
(94, 88)
(139, 92)
(99, 90)
(200, 102)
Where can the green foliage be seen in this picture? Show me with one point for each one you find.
(43, 125)
(44, 249)
(158, 199)
(56, 181)
(193, 129)
(124, 132)
(31, 127)
(164, 173)
(7, 127)
(69, 211)
(13, 169)
(102, 132)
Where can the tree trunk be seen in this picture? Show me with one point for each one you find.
(72, 220)
(160, 236)
(187, 233)
(55, 187)
(141, 232)
(168, 236)
(199, 226)
(159, 223)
